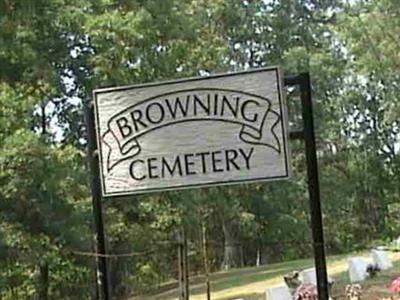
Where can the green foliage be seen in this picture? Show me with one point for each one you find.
(40, 188)
(53, 53)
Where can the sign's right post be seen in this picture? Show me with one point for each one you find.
(308, 134)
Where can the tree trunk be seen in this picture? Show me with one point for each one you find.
(258, 258)
(230, 248)
(43, 281)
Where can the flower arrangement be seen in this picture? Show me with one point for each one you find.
(353, 291)
(395, 286)
(306, 292)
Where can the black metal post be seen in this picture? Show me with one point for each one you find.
(313, 181)
(313, 186)
(181, 265)
(205, 258)
(186, 263)
(95, 185)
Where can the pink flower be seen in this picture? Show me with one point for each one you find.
(306, 292)
(395, 286)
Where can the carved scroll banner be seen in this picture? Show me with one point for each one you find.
(214, 130)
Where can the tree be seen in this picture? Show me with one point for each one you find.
(53, 53)
(369, 104)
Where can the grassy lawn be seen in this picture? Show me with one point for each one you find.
(250, 283)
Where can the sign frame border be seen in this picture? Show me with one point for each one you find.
(284, 127)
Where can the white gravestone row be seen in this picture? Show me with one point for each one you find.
(357, 272)
(281, 292)
(358, 265)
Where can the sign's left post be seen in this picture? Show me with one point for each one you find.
(95, 186)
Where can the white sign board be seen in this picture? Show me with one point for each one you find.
(194, 132)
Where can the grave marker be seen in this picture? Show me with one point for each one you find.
(308, 276)
(381, 259)
(397, 242)
(280, 292)
(358, 269)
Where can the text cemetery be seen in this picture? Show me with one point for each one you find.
(191, 164)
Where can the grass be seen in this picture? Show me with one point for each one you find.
(251, 283)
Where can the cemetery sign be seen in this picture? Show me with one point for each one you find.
(206, 131)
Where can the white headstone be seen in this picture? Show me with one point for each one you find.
(358, 269)
(397, 242)
(381, 258)
(308, 276)
(280, 292)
